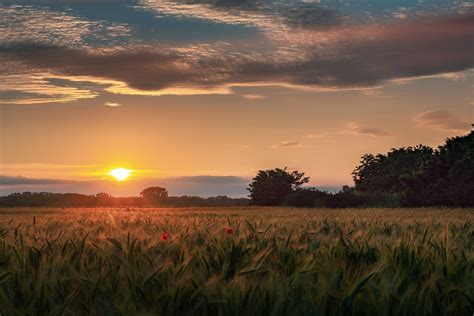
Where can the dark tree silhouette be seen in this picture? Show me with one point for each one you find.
(307, 197)
(46, 199)
(271, 187)
(383, 173)
(154, 194)
(421, 176)
(445, 179)
(103, 199)
(104, 196)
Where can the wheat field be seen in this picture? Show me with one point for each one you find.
(236, 261)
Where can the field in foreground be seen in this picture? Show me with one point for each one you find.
(238, 261)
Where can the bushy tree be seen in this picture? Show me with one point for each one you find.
(103, 199)
(383, 173)
(445, 179)
(154, 194)
(271, 187)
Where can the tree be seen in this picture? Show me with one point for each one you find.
(103, 199)
(271, 187)
(384, 173)
(154, 194)
(103, 196)
(421, 176)
(445, 179)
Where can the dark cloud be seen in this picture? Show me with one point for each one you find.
(356, 57)
(210, 180)
(67, 2)
(443, 120)
(141, 69)
(19, 181)
(224, 3)
(203, 185)
(295, 14)
(309, 15)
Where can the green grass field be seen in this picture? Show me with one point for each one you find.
(236, 261)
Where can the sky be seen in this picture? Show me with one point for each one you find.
(199, 95)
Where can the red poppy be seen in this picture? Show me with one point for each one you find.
(229, 230)
(165, 236)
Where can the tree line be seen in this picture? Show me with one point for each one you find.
(407, 176)
(46, 199)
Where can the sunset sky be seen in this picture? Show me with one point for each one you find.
(198, 95)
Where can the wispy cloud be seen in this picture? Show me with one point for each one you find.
(275, 19)
(39, 88)
(237, 146)
(27, 23)
(287, 144)
(253, 97)
(441, 120)
(112, 104)
(354, 128)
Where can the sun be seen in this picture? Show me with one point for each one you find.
(120, 174)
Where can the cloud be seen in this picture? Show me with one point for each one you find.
(345, 57)
(141, 69)
(209, 179)
(441, 120)
(40, 88)
(237, 146)
(274, 18)
(371, 92)
(354, 129)
(33, 22)
(253, 97)
(287, 144)
(112, 104)
(18, 181)
(357, 129)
